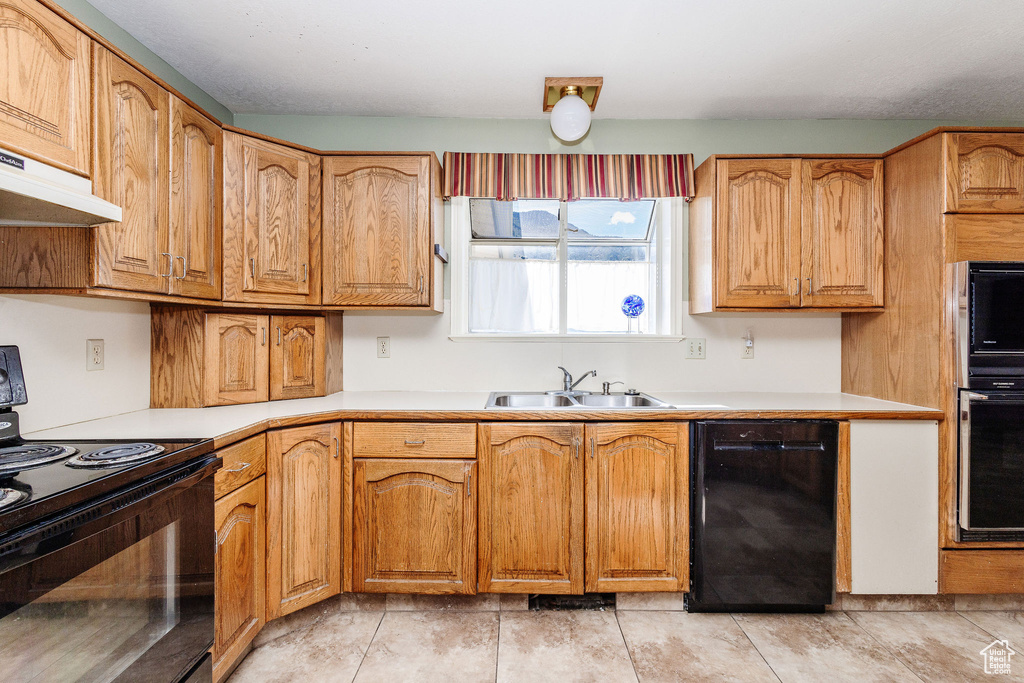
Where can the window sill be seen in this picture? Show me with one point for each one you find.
(569, 338)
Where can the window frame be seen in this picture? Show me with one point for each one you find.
(668, 242)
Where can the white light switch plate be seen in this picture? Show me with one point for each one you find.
(696, 348)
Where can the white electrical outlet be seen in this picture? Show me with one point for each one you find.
(747, 350)
(383, 347)
(695, 348)
(93, 354)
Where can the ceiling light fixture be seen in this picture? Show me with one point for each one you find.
(570, 101)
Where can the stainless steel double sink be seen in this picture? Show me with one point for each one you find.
(526, 400)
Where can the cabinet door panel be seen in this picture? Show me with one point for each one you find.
(414, 526)
(195, 217)
(44, 86)
(984, 172)
(531, 508)
(758, 233)
(237, 358)
(240, 583)
(297, 357)
(377, 242)
(131, 170)
(304, 517)
(842, 232)
(271, 222)
(637, 507)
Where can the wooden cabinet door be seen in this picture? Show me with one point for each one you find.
(757, 242)
(637, 507)
(531, 508)
(842, 232)
(131, 170)
(304, 517)
(297, 356)
(237, 358)
(984, 172)
(240, 597)
(377, 236)
(271, 222)
(44, 86)
(195, 216)
(414, 526)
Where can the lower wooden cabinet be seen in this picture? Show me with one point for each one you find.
(414, 526)
(240, 603)
(531, 508)
(210, 358)
(536, 482)
(304, 485)
(637, 507)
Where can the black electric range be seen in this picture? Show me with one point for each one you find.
(110, 537)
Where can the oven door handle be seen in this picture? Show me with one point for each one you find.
(965, 455)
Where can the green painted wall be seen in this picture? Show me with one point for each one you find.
(97, 21)
(612, 136)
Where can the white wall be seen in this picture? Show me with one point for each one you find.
(793, 352)
(51, 332)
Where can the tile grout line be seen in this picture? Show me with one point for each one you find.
(369, 645)
(629, 653)
(497, 649)
(994, 635)
(883, 646)
(759, 653)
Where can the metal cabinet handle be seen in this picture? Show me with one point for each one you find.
(421, 283)
(264, 336)
(797, 291)
(809, 287)
(242, 466)
(593, 447)
(469, 485)
(252, 267)
(305, 272)
(337, 447)
(170, 265)
(184, 267)
(414, 443)
(278, 336)
(216, 541)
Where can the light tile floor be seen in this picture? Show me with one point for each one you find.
(566, 646)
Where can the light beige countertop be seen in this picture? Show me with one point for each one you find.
(227, 424)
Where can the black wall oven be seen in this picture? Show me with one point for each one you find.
(990, 372)
(118, 588)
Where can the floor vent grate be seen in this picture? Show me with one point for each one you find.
(591, 601)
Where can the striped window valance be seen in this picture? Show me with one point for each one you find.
(567, 176)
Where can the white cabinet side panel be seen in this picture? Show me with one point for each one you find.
(894, 506)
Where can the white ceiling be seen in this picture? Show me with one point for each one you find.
(660, 59)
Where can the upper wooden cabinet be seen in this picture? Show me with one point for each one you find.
(210, 358)
(44, 86)
(271, 222)
(531, 508)
(381, 217)
(131, 170)
(195, 216)
(786, 233)
(303, 517)
(984, 172)
(637, 507)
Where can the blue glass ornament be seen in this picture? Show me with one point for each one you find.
(633, 305)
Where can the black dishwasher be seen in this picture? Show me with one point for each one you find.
(764, 515)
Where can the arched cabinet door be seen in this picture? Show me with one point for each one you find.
(131, 170)
(984, 172)
(237, 358)
(304, 516)
(637, 507)
(45, 98)
(414, 526)
(531, 508)
(297, 356)
(241, 597)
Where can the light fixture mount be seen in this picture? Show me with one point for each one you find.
(588, 88)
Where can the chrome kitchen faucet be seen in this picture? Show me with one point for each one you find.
(568, 384)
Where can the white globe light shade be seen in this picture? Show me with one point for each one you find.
(570, 118)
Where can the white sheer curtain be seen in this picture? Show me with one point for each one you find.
(596, 290)
(513, 295)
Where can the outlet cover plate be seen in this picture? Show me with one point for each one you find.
(94, 354)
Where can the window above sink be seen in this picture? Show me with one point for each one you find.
(538, 269)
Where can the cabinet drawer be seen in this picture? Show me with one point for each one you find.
(413, 440)
(243, 462)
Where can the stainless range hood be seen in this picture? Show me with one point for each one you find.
(37, 194)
